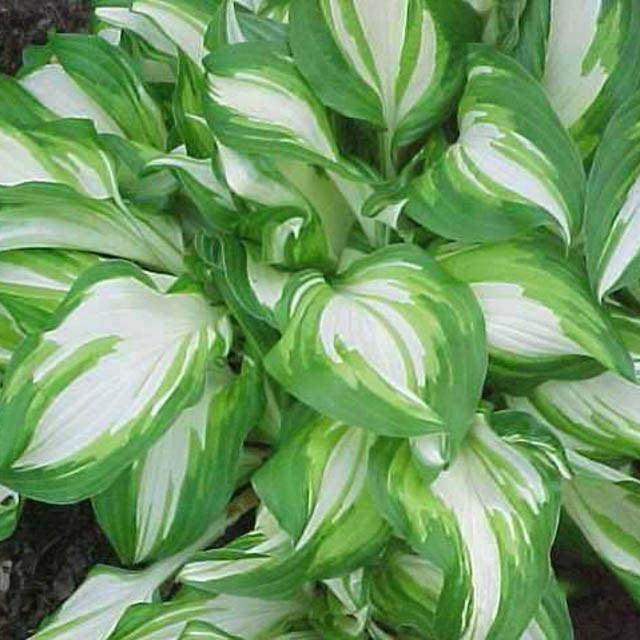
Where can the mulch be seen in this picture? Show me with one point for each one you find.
(54, 547)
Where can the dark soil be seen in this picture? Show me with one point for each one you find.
(44, 561)
(24, 22)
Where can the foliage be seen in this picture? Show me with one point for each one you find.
(379, 260)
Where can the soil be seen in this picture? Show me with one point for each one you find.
(24, 22)
(41, 565)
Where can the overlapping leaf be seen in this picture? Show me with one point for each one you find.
(541, 317)
(119, 363)
(613, 203)
(169, 497)
(396, 64)
(514, 167)
(392, 345)
(484, 527)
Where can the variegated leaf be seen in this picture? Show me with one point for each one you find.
(257, 102)
(117, 365)
(612, 223)
(260, 564)
(207, 190)
(600, 413)
(86, 77)
(392, 344)
(18, 107)
(199, 630)
(63, 152)
(295, 211)
(406, 589)
(605, 504)
(32, 285)
(183, 22)
(231, 26)
(514, 167)
(95, 608)
(315, 486)
(396, 64)
(552, 622)
(484, 526)
(541, 317)
(35, 215)
(592, 65)
(168, 498)
(248, 618)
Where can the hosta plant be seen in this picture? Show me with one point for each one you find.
(353, 280)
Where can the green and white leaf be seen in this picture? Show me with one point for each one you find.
(295, 211)
(87, 77)
(63, 152)
(169, 497)
(315, 486)
(140, 24)
(257, 102)
(513, 168)
(199, 630)
(538, 308)
(484, 526)
(260, 564)
(392, 344)
(207, 190)
(600, 413)
(592, 64)
(406, 589)
(552, 622)
(605, 504)
(97, 606)
(396, 64)
(247, 618)
(32, 285)
(119, 362)
(612, 215)
(52, 216)
(18, 107)
(182, 22)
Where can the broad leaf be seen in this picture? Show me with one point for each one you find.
(168, 498)
(63, 152)
(32, 284)
(538, 308)
(95, 608)
(183, 22)
(257, 102)
(592, 64)
(612, 224)
(484, 526)
(118, 364)
(514, 167)
(396, 64)
(248, 618)
(315, 486)
(605, 504)
(56, 217)
(86, 77)
(600, 413)
(392, 344)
